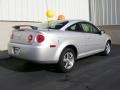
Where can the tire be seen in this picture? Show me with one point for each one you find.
(66, 60)
(11, 57)
(107, 50)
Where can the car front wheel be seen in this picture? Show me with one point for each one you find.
(67, 60)
(107, 50)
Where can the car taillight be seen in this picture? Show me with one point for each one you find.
(30, 37)
(40, 38)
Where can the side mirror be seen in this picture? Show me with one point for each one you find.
(102, 32)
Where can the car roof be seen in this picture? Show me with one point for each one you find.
(72, 20)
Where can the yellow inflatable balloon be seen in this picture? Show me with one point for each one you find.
(50, 14)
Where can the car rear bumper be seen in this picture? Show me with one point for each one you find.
(33, 53)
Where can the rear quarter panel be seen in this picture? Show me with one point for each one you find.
(63, 39)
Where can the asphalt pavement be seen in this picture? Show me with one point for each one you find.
(96, 72)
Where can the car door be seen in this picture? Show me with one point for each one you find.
(95, 40)
(80, 38)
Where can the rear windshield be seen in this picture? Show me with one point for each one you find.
(53, 25)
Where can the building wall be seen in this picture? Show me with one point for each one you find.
(114, 32)
(105, 12)
(34, 10)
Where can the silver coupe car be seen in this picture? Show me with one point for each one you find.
(58, 42)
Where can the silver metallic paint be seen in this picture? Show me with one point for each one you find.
(85, 43)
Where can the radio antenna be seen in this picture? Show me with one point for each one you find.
(46, 10)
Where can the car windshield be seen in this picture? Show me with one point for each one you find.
(53, 25)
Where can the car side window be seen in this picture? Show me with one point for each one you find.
(89, 28)
(74, 27)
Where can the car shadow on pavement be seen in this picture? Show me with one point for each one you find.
(18, 65)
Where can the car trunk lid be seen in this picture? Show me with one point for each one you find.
(23, 34)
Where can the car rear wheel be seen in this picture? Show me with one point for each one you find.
(107, 50)
(67, 60)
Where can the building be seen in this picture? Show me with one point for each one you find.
(35, 10)
(105, 12)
